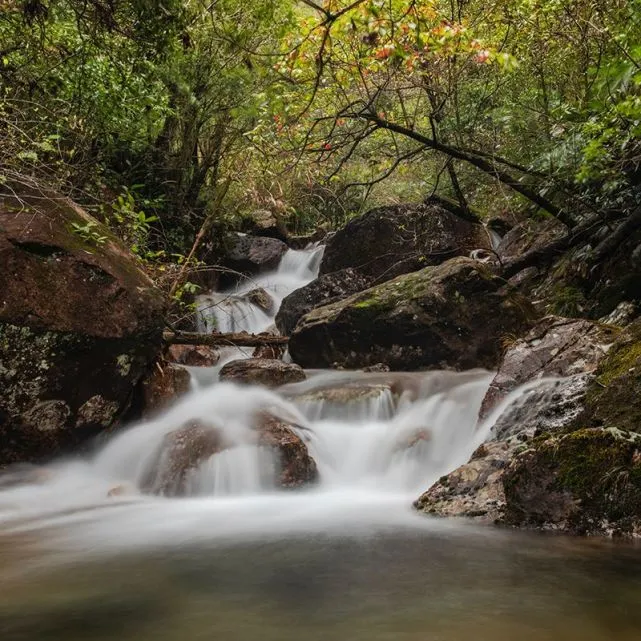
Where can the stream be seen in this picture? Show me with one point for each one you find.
(240, 559)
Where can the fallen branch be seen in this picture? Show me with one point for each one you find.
(242, 339)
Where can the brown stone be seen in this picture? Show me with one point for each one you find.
(79, 324)
(297, 468)
(193, 355)
(165, 385)
(262, 371)
(388, 241)
(186, 448)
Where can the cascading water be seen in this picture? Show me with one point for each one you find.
(235, 310)
(378, 440)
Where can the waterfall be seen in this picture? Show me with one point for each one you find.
(233, 311)
(378, 439)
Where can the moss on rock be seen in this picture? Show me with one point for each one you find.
(586, 482)
(614, 397)
(451, 315)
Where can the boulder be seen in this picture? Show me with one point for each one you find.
(185, 449)
(261, 299)
(250, 255)
(79, 324)
(473, 490)
(527, 236)
(182, 451)
(388, 241)
(568, 349)
(261, 371)
(455, 315)
(296, 468)
(557, 347)
(324, 290)
(193, 355)
(263, 222)
(165, 385)
(586, 482)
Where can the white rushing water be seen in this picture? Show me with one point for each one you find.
(378, 439)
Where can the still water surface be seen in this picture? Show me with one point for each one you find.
(433, 582)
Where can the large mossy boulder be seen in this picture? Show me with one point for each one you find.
(388, 241)
(455, 315)
(324, 290)
(79, 324)
(585, 482)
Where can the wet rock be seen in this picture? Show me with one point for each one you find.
(185, 449)
(345, 394)
(79, 324)
(164, 386)
(322, 291)
(296, 468)
(261, 299)
(569, 349)
(263, 222)
(250, 255)
(181, 452)
(586, 482)
(454, 315)
(474, 490)
(623, 314)
(261, 371)
(193, 355)
(554, 347)
(388, 241)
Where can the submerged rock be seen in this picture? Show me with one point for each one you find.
(184, 450)
(261, 371)
(322, 291)
(454, 315)
(79, 324)
(165, 385)
(296, 467)
(388, 241)
(586, 482)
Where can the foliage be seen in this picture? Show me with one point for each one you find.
(163, 117)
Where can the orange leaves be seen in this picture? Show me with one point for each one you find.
(385, 52)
